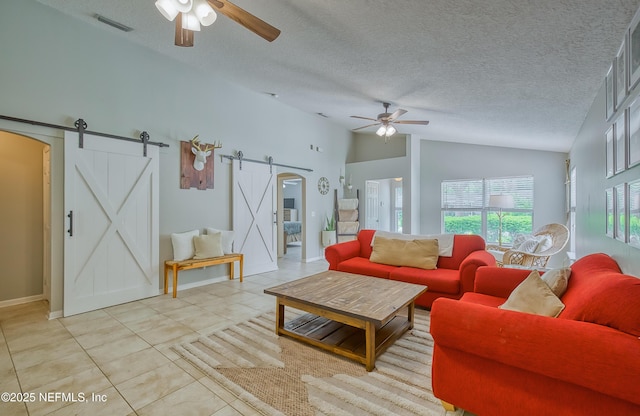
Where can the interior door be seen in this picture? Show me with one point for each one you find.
(111, 239)
(372, 199)
(254, 216)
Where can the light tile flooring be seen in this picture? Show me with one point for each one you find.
(120, 357)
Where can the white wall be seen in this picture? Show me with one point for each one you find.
(61, 69)
(441, 161)
(588, 157)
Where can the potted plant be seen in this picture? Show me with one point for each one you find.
(329, 232)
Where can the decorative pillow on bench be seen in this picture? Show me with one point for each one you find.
(422, 254)
(208, 245)
(183, 248)
(227, 239)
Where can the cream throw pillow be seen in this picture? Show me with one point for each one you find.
(534, 296)
(557, 280)
(209, 245)
(227, 239)
(422, 254)
(183, 245)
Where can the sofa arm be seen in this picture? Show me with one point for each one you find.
(337, 253)
(498, 281)
(581, 353)
(470, 264)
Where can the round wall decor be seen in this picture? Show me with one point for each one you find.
(323, 185)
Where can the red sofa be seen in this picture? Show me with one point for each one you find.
(453, 276)
(491, 361)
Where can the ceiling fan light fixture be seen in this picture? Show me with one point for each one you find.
(390, 131)
(190, 22)
(183, 6)
(190, 14)
(168, 9)
(204, 12)
(381, 131)
(184, 37)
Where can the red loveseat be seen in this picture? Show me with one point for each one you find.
(491, 361)
(453, 276)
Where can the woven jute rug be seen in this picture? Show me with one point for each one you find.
(281, 376)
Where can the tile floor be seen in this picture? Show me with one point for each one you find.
(120, 357)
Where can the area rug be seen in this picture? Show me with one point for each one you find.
(280, 376)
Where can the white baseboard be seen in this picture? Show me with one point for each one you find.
(55, 315)
(185, 286)
(312, 259)
(20, 301)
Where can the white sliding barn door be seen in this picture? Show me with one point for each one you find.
(111, 238)
(254, 216)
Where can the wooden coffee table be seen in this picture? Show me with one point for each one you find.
(351, 315)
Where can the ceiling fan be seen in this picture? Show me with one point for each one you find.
(190, 14)
(387, 120)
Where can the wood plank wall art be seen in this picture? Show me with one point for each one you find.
(189, 176)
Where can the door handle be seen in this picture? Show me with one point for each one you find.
(70, 230)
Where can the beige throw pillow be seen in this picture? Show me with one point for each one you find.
(209, 245)
(422, 254)
(557, 280)
(534, 296)
(227, 239)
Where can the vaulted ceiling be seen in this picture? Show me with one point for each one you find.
(500, 72)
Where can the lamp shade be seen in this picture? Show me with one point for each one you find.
(204, 12)
(167, 8)
(190, 22)
(390, 130)
(183, 6)
(501, 201)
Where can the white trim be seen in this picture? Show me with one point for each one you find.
(55, 314)
(185, 286)
(20, 301)
(312, 259)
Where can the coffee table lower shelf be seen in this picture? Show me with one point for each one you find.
(345, 339)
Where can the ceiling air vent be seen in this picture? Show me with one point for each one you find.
(113, 23)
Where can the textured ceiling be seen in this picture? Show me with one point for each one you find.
(499, 72)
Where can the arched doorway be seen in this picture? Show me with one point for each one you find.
(25, 218)
(291, 216)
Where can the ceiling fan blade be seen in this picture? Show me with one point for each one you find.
(246, 19)
(365, 118)
(184, 37)
(422, 122)
(397, 114)
(364, 127)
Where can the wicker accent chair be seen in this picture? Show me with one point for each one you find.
(559, 235)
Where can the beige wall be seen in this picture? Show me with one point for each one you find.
(21, 213)
(368, 147)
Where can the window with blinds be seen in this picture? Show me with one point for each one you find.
(465, 207)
